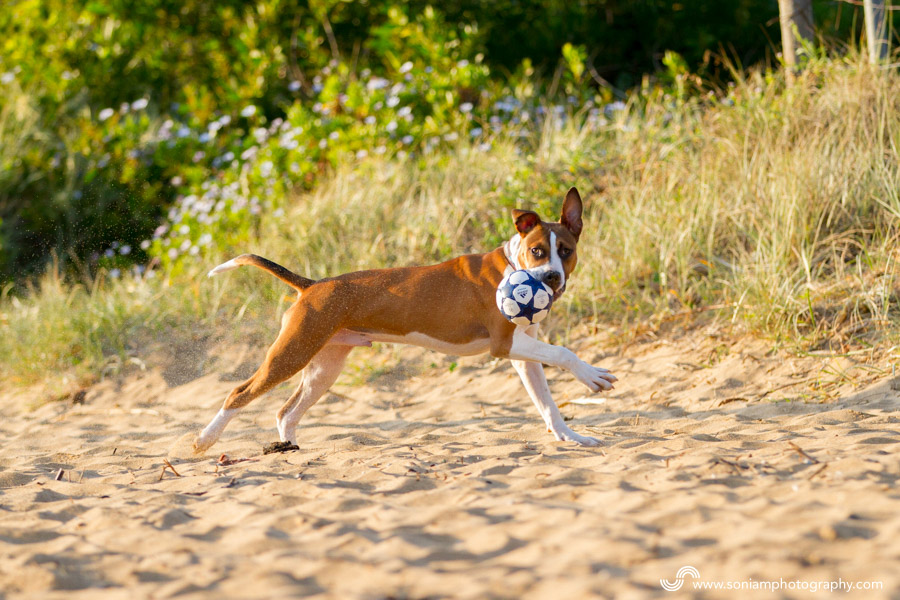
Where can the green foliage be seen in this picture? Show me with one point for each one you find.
(114, 100)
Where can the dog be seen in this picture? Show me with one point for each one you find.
(333, 315)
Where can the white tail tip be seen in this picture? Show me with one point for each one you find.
(226, 266)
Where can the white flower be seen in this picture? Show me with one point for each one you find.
(173, 253)
(183, 132)
(361, 154)
(370, 120)
(228, 157)
(265, 168)
(393, 101)
(225, 120)
(185, 245)
(105, 114)
(145, 244)
(115, 273)
(139, 104)
(248, 111)
(204, 137)
(616, 106)
(7, 77)
(294, 86)
(406, 110)
(407, 139)
(463, 63)
(476, 132)
(205, 239)
(466, 107)
(334, 135)
(125, 250)
(392, 126)
(377, 83)
(406, 67)
(184, 230)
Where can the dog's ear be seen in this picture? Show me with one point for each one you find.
(526, 220)
(571, 212)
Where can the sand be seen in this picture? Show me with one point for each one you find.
(425, 476)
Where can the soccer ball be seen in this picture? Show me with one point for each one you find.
(522, 299)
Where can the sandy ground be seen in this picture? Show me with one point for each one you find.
(413, 481)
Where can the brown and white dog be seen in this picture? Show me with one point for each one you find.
(333, 315)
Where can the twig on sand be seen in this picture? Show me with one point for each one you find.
(59, 475)
(819, 470)
(803, 453)
(787, 385)
(725, 401)
(169, 466)
(225, 461)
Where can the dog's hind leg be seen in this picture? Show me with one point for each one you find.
(306, 328)
(316, 377)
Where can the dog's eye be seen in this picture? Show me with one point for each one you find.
(538, 252)
(565, 252)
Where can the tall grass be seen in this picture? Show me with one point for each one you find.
(773, 206)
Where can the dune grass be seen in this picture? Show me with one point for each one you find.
(772, 206)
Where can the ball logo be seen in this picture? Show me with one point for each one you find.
(674, 586)
(522, 294)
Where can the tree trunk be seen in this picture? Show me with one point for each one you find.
(794, 14)
(876, 30)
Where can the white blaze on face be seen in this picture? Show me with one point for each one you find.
(554, 264)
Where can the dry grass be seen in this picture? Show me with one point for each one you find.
(775, 210)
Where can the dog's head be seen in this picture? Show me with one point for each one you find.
(547, 250)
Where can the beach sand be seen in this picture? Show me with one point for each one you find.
(424, 476)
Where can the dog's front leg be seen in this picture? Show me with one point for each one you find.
(526, 347)
(535, 382)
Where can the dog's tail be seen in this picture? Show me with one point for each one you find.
(297, 282)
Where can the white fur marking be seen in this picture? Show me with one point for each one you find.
(525, 347)
(315, 379)
(535, 382)
(211, 432)
(511, 250)
(414, 338)
(225, 266)
(554, 264)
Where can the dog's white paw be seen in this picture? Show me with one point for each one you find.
(202, 444)
(567, 435)
(595, 378)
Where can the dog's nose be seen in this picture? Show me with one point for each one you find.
(552, 278)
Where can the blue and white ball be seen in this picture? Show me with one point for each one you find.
(523, 299)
